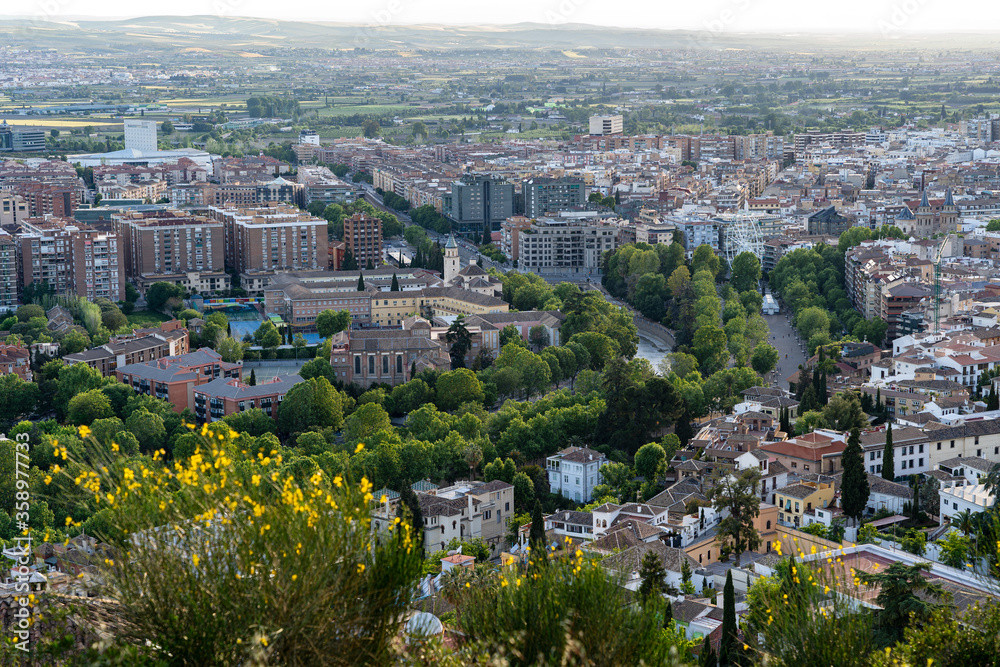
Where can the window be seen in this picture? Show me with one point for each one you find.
(921, 449)
(769, 525)
(357, 365)
(921, 462)
(939, 446)
(371, 365)
(385, 365)
(399, 364)
(953, 444)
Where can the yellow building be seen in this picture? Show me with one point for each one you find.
(796, 500)
(391, 308)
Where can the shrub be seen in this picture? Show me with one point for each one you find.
(233, 561)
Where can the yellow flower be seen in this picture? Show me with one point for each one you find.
(48, 479)
(358, 449)
(384, 499)
(263, 640)
(361, 568)
(294, 577)
(84, 431)
(194, 559)
(114, 446)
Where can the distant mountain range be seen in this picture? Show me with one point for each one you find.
(236, 34)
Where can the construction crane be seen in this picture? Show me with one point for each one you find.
(937, 284)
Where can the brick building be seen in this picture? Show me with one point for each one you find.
(174, 378)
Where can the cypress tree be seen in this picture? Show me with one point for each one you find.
(854, 489)
(707, 657)
(728, 649)
(823, 394)
(888, 456)
(683, 427)
(395, 284)
(915, 505)
(253, 377)
(410, 504)
(993, 401)
(361, 282)
(536, 538)
(413, 369)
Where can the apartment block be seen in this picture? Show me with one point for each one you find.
(228, 396)
(363, 236)
(170, 339)
(174, 378)
(13, 209)
(553, 246)
(172, 244)
(9, 292)
(551, 195)
(276, 237)
(72, 258)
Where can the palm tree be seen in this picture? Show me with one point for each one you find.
(964, 521)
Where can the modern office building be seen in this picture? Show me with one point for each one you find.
(21, 139)
(543, 196)
(479, 201)
(605, 125)
(140, 135)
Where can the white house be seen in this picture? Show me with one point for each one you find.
(957, 499)
(971, 468)
(886, 495)
(568, 523)
(574, 472)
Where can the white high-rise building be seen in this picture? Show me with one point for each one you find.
(605, 125)
(140, 135)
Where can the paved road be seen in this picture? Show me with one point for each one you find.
(787, 342)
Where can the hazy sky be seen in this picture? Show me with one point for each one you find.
(877, 16)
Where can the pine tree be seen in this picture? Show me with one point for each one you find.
(888, 456)
(536, 538)
(253, 377)
(395, 283)
(361, 282)
(728, 645)
(854, 489)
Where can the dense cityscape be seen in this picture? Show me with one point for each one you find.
(536, 345)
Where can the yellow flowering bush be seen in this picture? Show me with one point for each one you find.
(224, 557)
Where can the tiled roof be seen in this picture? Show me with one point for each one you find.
(233, 388)
(630, 560)
(879, 485)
